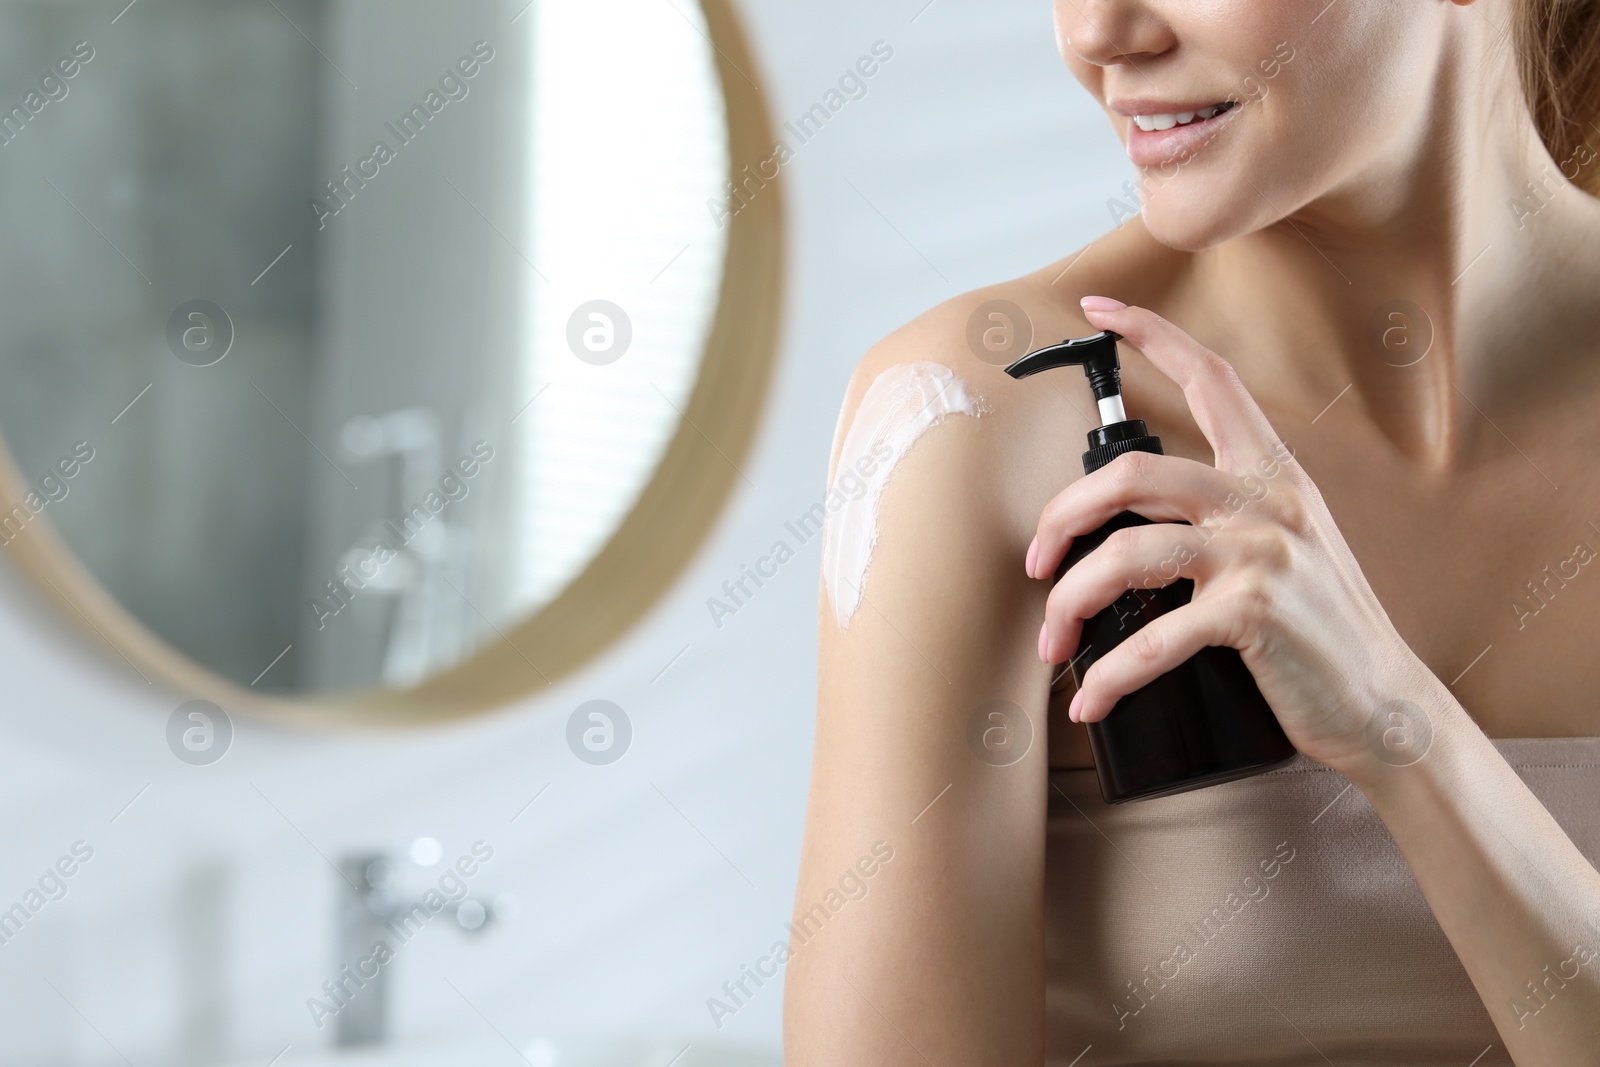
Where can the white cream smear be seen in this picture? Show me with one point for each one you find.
(902, 404)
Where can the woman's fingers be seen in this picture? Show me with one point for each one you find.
(1158, 487)
(1226, 413)
(1220, 619)
(1137, 557)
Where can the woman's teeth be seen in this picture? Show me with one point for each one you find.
(1149, 123)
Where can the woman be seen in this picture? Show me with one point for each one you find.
(1381, 260)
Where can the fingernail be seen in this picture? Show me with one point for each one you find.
(1033, 556)
(1044, 642)
(1101, 303)
(1072, 708)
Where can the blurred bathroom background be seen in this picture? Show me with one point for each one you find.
(258, 426)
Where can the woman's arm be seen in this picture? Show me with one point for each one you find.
(1518, 901)
(1275, 579)
(936, 955)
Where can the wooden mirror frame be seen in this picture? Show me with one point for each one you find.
(632, 571)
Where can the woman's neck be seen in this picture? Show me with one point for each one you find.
(1503, 272)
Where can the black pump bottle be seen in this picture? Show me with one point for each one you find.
(1205, 721)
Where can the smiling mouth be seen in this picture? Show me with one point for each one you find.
(1167, 120)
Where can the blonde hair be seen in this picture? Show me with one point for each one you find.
(1558, 59)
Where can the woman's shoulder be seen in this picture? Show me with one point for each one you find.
(977, 333)
(1025, 436)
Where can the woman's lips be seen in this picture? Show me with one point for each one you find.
(1151, 148)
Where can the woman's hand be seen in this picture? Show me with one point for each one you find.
(1273, 575)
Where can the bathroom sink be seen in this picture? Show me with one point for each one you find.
(584, 1051)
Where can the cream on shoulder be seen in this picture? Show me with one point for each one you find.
(901, 404)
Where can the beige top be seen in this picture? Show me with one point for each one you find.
(1266, 921)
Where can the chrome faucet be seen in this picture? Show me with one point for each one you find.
(375, 921)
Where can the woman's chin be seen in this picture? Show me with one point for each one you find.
(1192, 227)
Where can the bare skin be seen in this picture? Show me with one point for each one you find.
(1422, 501)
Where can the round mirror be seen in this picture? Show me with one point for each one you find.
(394, 354)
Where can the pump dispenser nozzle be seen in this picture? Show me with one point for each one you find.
(1097, 355)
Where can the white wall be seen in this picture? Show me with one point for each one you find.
(203, 922)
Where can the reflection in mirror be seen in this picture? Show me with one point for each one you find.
(345, 333)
